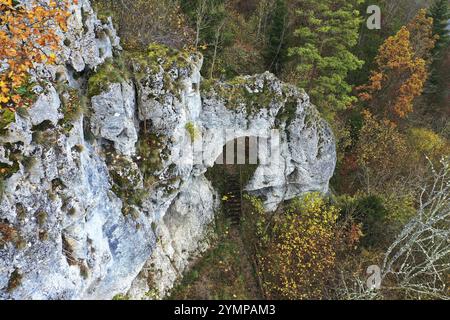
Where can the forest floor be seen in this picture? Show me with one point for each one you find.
(224, 272)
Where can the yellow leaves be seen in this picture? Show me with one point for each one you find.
(7, 3)
(16, 98)
(3, 87)
(300, 251)
(30, 33)
(380, 147)
(3, 98)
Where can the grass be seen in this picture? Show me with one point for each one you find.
(9, 234)
(152, 152)
(41, 217)
(112, 71)
(6, 117)
(287, 113)
(14, 155)
(125, 179)
(14, 281)
(121, 296)
(73, 106)
(192, 130)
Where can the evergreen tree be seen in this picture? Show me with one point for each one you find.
(276, 47)
(327, 31)
(441, 16)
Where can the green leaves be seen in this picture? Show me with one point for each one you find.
(6, 117)
(325, 39)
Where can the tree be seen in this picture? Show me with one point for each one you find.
(209, 20)
(326, 32)
(143, 22)
(401, 69)
(299, 247)
(27, 38)
(276, 48)
(440, 14)
(200, 17)
(417, 263)
(379, 148)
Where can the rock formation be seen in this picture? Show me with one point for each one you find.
(115, 200)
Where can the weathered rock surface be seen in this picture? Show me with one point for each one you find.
(113, 117)
(116, 200)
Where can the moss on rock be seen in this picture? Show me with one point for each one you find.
(112, 71)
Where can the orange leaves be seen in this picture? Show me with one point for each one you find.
(27, 37)
(7, 3)
(401, 71)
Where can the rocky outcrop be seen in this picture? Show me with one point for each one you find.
(114, 199)
(113, 117)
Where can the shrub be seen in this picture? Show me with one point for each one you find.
(112, 71)
(36, 24)
(298, 247)
(192, 130)
(370, 212)
(141, 22)
(427, 142)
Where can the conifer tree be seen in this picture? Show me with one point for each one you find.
(276, 48)
(440, 13)
(441, 17)
(327, 31)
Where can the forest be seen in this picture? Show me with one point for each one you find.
(383, 230)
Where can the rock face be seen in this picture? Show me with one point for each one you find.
(115, 200)
(113, 116)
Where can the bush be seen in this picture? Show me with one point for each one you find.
(370, 212)
(112, 71)
(141, 22)
(297, 250)
(427, 142)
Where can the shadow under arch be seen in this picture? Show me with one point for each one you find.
(232, 171)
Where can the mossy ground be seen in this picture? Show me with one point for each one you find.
(157, 57)
(241, 92)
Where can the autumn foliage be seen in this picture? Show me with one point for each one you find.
(401, 69)
(27, 38)
(299, 247)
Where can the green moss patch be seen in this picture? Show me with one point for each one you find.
(125, 181)
(112, 71)
(241, 92)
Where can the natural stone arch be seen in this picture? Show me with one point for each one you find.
(172, 220)
(246, 106)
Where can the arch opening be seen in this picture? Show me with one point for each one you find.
(232, 171)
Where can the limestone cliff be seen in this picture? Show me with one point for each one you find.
(114, 200)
